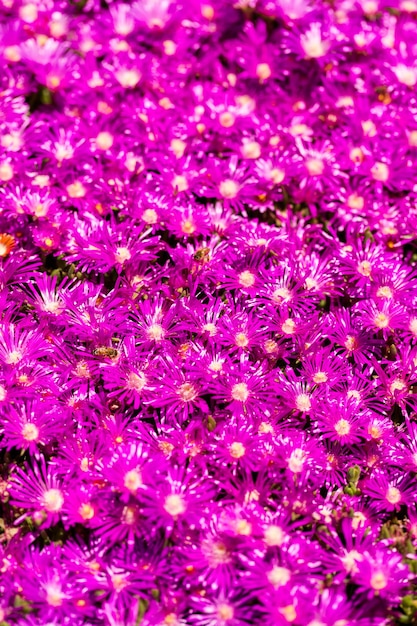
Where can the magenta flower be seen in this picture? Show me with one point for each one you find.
(39, 492)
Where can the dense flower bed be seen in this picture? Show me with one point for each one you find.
(208, 312)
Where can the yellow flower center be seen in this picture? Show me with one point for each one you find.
(225, 612)
(229, 189)
(122, 254)
(104, 140)
(380, 172)
(246, 279)
(279, 576)
(150, 216)
(381, 320)
(342, 427)
(351, 343)
(155, 332)
(30, 432)
(393, 495)
(240, 392)
(174, 505)
(15, 356)
(320, 378)
(315, 167)
(378, 581)
(263, 71)
(237, 450)
(133, 480)
(303, 402)
(241, 340)
(86, 511)
(296, 460)
(385, 292)
(364, 268)
(54, 594)
(187, 392)
(288, 327)
(136, 382)
(53, 500)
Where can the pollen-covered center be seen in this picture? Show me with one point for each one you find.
(122, 255)
(397, 385)
(155, 332)
(279, 576)
(135, 381)
(364, 268)
(216, 552)
(53, 500)
(175, 505)
(129, 515)
(274, 536)
(281, 294)
(241, 340)
(393, 495)
(342, 427)
(240, 392)
(150, 216)
(53, 306)
(237, 450)
(54, 595)
(133, 480)
(385, 292)
(288, 327)
(187, 392)
(210, 329)
(86, 511)
(246, 279)
(188, 227)
(351, 343)
(215, 366)
(225, 612)
(229, 189)
(30, 432)
(303, 402)
(320, 377)
(378, 581)
(381, 320)
(14, 356)
(296, 460)
(315, 167)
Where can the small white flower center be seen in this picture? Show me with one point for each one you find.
(229, 189)
(342, 427)
(155, 332)
(320, 377)
(303, 402)
(30, 432)
(187, 392)
(136, 381)
(274, 536)
(240, 392)
(279, 576)
(378, 581)
(393, 495)
(174, 505)
(133, 480)
(237, 450)
(53, 500)
(246, 279)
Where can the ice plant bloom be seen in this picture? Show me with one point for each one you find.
(208, 326)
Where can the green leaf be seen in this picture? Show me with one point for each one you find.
(21, 603)
(143, 605)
